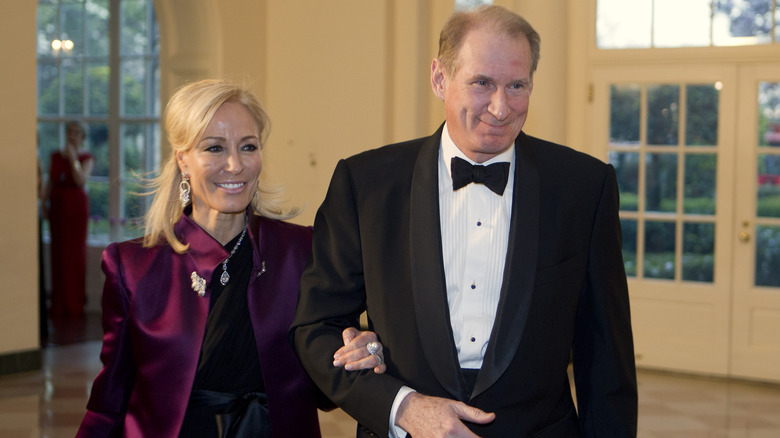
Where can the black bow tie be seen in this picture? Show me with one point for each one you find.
(493, 176)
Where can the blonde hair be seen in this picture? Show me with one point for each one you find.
(187, 115)
(501, 20)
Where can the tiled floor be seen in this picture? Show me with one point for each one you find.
(50, 403)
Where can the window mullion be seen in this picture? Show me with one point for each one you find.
(114, 123)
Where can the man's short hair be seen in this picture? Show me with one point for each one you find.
(502, 20)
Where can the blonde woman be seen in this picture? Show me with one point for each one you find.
(196, 313)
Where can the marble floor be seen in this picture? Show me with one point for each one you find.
(51, 402)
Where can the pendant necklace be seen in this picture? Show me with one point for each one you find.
(225, 277)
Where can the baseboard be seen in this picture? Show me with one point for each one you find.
(12, 363)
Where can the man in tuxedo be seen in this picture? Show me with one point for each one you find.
(485, 260)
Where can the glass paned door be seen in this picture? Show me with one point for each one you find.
(756, 345)
(665, 136)
(697, 154)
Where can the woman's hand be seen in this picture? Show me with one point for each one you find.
(354, 355)
(71, 153)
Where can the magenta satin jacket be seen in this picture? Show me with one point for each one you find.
(154, 324)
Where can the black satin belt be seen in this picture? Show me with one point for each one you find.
(239, 416)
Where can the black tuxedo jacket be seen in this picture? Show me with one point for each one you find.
(377, 247)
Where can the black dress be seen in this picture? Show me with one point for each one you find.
(229, 381)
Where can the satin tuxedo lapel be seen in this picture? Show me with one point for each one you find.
(428, 285)
(519, 270)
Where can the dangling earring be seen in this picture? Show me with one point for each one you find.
(184, 191)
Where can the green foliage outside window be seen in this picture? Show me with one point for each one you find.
(767, 256)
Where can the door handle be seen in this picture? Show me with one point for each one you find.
(744, 236)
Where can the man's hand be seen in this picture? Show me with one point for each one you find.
(421, 415)
(354, 355)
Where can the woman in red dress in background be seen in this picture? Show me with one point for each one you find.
(66, 206)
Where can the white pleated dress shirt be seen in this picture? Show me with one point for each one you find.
(475, 233)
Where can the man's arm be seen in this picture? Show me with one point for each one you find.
(603, 352)
(331, 298)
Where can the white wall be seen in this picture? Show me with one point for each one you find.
(547, 114)
(18, 200)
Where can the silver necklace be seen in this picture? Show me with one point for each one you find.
(225, 277)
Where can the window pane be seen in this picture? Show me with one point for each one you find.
(769, 113)
(139, 148)
(659, 249)
(135, 31)
(97, 28)
(97, 87)
(768, 195)
(468, 4)
(628, 227)
(623, 24)
(624, 114)
(681, 23)
(133, 87)
(48, 143)
(700, 183)
(48, 28)
(767, 256)
(73, 87)
(701, 121)
(661, 183)
(698, 259)
(155, 96)
(662, 114)
(97, 144)
(154, 42)
(134, 207)
(140, 157)
(73, 27)
(688, 23)
(768, 166)
(627, 170)
(48, 87)
(98, 191)
(742, 22)
(777, 25)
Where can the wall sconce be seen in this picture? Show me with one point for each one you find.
(65, 45)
